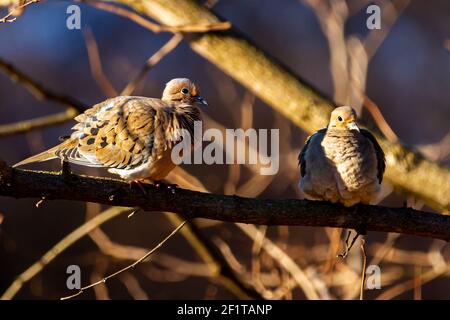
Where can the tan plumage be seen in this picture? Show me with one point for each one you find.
(131, 136)
(342, 163)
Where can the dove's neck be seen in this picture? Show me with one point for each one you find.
(340, 133)
(187, 110)
(185, 115)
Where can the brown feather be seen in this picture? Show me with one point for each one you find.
(48, 154)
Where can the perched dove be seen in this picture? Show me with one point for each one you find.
(342, 163)
(131, 136)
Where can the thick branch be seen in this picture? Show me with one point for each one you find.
(291, 96)
(26, 184)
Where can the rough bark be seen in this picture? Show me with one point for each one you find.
(34, 184)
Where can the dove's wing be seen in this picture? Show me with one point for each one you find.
(122, 133)
(302, 155)
(381, 162)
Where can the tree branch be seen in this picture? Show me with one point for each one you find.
(38, 123)
(27, 184)
(38, 90)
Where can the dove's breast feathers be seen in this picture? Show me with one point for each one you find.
(341, 167)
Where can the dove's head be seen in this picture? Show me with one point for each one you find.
(343, 118)
(183, 90)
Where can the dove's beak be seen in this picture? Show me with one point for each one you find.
(352, 126)
(201, 100)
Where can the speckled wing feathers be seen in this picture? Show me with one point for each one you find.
(123, 133)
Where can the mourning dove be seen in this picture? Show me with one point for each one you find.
(131, 136)
(342, 163)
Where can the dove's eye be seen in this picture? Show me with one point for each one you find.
(340, 118)
(185, 91)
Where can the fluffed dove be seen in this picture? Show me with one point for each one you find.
(342, 163)
(131, 136)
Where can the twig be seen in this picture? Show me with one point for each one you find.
(131, 266)
(409, 284)
(381, 122)
(417, 283)
(100, 267)
(191, 28)
(96, 64)
(256, 263)
(217, 264)
(38, 123)
(57, 249)
(385, 248)
(402, 257)
(332, 16)
(363, 272)
(391, 11)
(152, 61)
(284, 260)
(129, 252)
(6, 18)
(334, 237)
(133, 286)
(38, 90)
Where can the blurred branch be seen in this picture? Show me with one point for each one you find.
(447, 44)
(281, 257)
(96, 64)
(37, 123)
(382, 124)
(192, 204)
(410, 284)
(57, 249)
(40, 92)
(14, 9)
(363, 269)
(217, 264)
(134, 288)
(131, 266)
(151, 62)
(37, 90)
(332, 16)
(194, 27)
(391, 11)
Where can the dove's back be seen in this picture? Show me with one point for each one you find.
(124, 134)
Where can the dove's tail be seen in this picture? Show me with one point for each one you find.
(49, 154)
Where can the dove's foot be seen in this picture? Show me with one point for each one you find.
(65, 168)
(162, 185)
